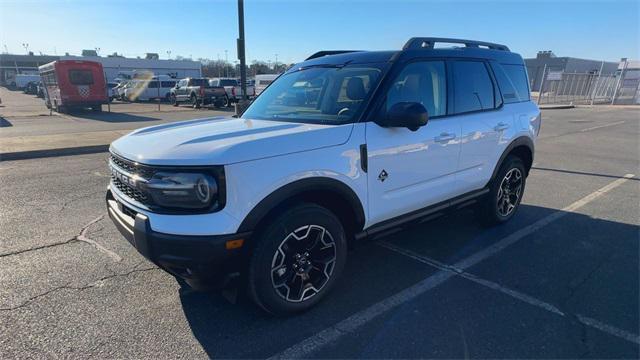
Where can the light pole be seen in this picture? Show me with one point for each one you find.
(97, 51)
(26, 47)
(226, 62)
(275, 66)
(169, 54)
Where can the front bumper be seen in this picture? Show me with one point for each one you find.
(201, 260)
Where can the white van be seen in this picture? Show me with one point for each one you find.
(158, 87)
(262, 81)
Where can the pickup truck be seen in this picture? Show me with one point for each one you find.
(198, 92)
(233, 89)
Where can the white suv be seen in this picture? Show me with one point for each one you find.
(342, 146)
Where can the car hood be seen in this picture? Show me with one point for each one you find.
(220, 141)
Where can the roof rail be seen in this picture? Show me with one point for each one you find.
(429, 42)
(329, 52)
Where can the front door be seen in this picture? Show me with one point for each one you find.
(409, 170)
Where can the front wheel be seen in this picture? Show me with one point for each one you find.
(506, 191)
(297, 259)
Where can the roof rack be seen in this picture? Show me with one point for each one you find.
(329, 52)
(429, 42)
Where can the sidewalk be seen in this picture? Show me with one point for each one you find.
(28, 147)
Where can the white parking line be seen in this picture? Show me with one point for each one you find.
(609, 329)
(602, 126)
(355, 321)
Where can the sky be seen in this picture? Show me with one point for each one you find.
(600, 30)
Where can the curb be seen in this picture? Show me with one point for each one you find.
(37, 154)
(556, 107)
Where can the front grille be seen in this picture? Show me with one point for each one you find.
(129, 191)
(133, 168)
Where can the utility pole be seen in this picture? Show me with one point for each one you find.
(226, 61)
(243, 70)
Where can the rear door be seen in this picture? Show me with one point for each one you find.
(486, 124)
(410, 170)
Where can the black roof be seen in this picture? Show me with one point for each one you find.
(416, 47)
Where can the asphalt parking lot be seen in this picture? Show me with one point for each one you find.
(559, 281)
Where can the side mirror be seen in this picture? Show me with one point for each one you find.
(411, 115)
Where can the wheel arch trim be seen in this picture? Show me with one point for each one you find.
(297, 188)
(517, 142)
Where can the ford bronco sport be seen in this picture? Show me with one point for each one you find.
(344, 145)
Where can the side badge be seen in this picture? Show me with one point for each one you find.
(383, 175)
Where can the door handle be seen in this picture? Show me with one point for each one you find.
(501, 126)
(445, 137)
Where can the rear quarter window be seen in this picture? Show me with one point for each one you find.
(513, 83)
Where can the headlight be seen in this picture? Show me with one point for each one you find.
(182, 190)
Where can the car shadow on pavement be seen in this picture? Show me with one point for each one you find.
(111, 117)
(4, 122)
(575, 247)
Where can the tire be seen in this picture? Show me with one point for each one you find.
(281, 278)
(505, 195)
(194, 102)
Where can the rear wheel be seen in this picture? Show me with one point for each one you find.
(505, 194)
(297, 259)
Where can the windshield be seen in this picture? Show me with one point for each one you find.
(320, 95)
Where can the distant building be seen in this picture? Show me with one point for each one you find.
(564, 65)
(11, 64)
(114, 65)
(119, 67)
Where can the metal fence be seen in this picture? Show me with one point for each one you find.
(620, 88)
(577, 88)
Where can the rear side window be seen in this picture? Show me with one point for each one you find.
(473, 89)
(513, 83)
(167, 84)
(81, 77)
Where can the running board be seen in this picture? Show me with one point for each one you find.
(422, 215)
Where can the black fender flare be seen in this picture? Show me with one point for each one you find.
(519, 141)
(297, 188)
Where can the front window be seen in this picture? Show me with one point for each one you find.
(320, 95)
(81, 77)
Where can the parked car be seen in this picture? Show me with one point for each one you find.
(122, 88)
(197, 92)
(31, 88)
(274, 197)
(233, 89)
(264, 80)
(111, 90)
(145, 90)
